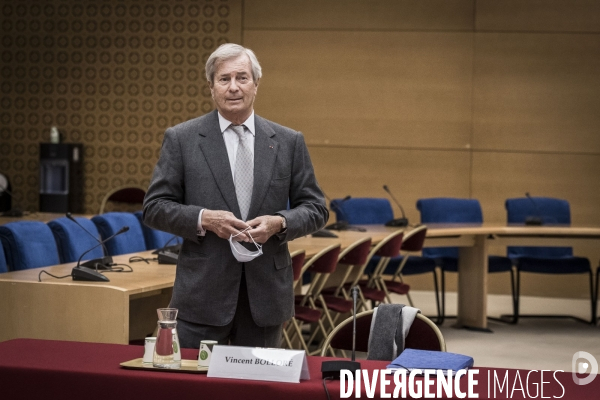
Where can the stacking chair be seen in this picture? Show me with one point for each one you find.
(352, 261)
(451, 210)
(320, 266)
(423, 335)
(3, 266)
(154, 238)
(128, 196)
(131, 241)
(28, 244)
(371, 288)
(545, 260)
(72, 241)
(301, 313)
(379, 211)
(410, 264)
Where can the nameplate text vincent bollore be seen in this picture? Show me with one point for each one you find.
(255, 363)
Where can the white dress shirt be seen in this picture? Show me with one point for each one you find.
(231, 142)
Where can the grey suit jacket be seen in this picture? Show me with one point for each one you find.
(193, 173)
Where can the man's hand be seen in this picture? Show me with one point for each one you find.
(264, 227)
(224, 224)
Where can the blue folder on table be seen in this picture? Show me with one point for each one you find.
(411, 359)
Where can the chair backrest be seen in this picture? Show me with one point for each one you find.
(154, 238)
(3, 266)
(129, 194)
(550, 210)
(414, 239)
(423, 334)
(298, 258)
(28, 244)
(386, 249)
(448, 210)
(350, 259)
(129, 242)
(321, 265)
(72, 241)
(363, 210)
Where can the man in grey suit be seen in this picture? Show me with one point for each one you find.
(222, 182)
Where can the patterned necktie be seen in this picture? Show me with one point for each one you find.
(244, 171)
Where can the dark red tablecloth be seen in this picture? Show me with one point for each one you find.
(47, 369)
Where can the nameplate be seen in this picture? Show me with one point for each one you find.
(260, 364)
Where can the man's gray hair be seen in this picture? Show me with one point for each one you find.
(226, 52)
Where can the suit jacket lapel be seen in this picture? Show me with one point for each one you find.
(214, 150)
(265, 154)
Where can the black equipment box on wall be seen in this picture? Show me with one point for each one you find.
(61, 177)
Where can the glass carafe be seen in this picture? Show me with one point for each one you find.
(167, 353)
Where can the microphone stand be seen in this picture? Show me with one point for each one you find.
(399, 222)
(531, 219)
(99, 263)
(342, 224)
(81, 273)
(332, 369)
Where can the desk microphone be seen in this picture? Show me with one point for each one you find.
(534, 219)
(176, 248)
(399, 222)
(342, 224)
(98, 263)
(81, 273)
(332, 369)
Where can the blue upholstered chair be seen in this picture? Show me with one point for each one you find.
(131, 241)
(545, 260)
(378, 211)
(28, 244)
(451, 210)
(72, 241)
(3, 266)
(154, 238)
(363, 210)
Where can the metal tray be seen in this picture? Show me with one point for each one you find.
(187, 366)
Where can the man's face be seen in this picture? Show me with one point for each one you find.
(233, 89)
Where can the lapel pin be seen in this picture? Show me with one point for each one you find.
(270, 147)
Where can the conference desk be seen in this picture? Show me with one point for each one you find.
(34, 369)
(125, 308)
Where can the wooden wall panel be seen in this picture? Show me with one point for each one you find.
(359, 15)
(537, 92)
(391, 89)
(410, 174)
(498, 176)
(538, 15)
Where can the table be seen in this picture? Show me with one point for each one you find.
(125, 308)
(33, 369)
(118, 311)
(473, 241)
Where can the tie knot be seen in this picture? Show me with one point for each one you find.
(239, 130)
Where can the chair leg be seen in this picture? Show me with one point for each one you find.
(596, 297)
(443, 301)
(439, 320)
(517, 300)
(593, 298)
(299, 333)
(514, 297)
